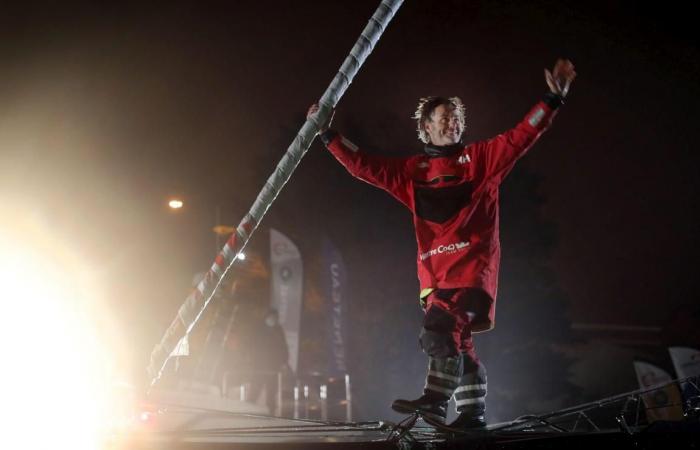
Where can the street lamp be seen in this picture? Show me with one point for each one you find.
(218, 229)
(176, 203)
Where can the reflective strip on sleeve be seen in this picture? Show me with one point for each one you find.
(349, 145)
(536, 117)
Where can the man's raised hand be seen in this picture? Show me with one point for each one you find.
(559, 80)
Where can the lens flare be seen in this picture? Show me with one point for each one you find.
(55, 381)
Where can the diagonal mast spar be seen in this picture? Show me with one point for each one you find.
(195, 304)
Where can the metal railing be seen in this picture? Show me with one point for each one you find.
(312, 396)
(623, 411)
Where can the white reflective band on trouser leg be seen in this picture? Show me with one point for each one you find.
(440, 389)
(470, 401)
(471, 387)
(443, 376)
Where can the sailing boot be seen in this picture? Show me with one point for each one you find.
(442, 379)
(470, 396)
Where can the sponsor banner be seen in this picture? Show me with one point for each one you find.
(286, 292)
(334, 289)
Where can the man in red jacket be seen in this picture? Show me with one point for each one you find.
(452, 191)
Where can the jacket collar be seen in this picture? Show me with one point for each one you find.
(438, 151)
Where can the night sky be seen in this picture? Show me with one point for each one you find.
(107, 110)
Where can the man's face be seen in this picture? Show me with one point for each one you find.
(444, 127)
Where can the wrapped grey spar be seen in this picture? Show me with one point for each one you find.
(197, 301)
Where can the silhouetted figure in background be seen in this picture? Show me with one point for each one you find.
(269, 356)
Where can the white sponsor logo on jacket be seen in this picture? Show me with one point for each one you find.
(449, 249)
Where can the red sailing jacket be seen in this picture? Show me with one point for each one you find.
(454, 201)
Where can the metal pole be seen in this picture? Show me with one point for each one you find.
(191, 310)
(348, 399)
(296, 401)
(224, 384)
(278, 409)
(323, 394)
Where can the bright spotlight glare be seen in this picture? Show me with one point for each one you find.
(241, 256)
(175, 204)
(55, 378)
